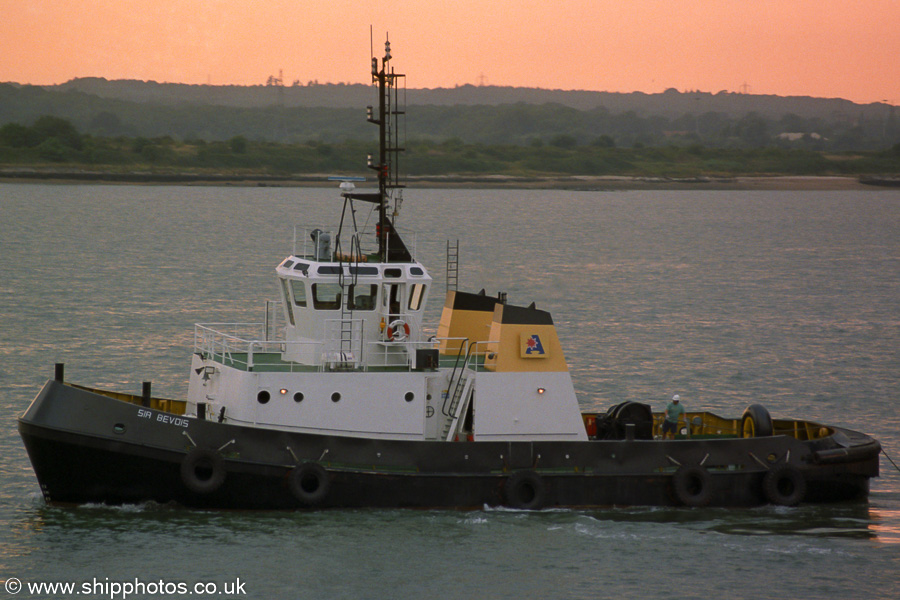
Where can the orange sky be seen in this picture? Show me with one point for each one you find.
(825, 48)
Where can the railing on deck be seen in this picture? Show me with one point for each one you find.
(307, 241)
(234, 343)
(273, 327)
(470, 356)
(245, 346)
(247, 352)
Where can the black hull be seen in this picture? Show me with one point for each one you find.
(88, 448)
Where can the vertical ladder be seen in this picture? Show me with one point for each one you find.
(452, 265)
(346, 342)
(346, 333)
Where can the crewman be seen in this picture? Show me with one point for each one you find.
(674, 411)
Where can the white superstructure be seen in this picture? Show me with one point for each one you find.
(350, 357)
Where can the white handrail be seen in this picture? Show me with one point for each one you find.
(221, 341)
(307, 250)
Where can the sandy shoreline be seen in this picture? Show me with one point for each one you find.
(585, 183)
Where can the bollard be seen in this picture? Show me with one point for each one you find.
(145, 395)
(60, 372)
(629, 432)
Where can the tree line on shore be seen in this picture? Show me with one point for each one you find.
(476, 115)
(55, 142)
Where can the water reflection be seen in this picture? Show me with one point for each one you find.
(885, 524)
(847, 520)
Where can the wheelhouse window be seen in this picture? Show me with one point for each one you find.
(416, 295)
(299, 289)
(326, 296)
(393, 292)
(287, 301)
(363, 297)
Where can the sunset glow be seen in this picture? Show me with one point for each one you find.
(822, 48)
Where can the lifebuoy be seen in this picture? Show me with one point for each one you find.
(203, 470)
(756, 422)
(308, 483)
(784, 485)
(398, 331)
(525, 490)
(693, 485)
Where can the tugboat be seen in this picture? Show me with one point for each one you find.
(350, 403)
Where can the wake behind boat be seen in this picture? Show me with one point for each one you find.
(350, 403)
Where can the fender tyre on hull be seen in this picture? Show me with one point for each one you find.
(693, 485)
(784, 485)
(203, 470)
(308, 483)
(525, 490)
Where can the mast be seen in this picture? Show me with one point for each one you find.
(390, 246)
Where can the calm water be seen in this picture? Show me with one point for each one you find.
(791, 299)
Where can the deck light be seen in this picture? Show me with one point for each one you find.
(541, 390)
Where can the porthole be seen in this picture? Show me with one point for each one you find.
(119, 428)
(263, 397)
(336, 397)
(409, 397)
(298, 397)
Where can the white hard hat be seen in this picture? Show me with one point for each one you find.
(676, 398)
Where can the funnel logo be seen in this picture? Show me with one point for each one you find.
(533, 346)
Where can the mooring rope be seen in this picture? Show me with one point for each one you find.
(890, 459)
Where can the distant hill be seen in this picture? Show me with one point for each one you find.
(472, 114)
(671, 103)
